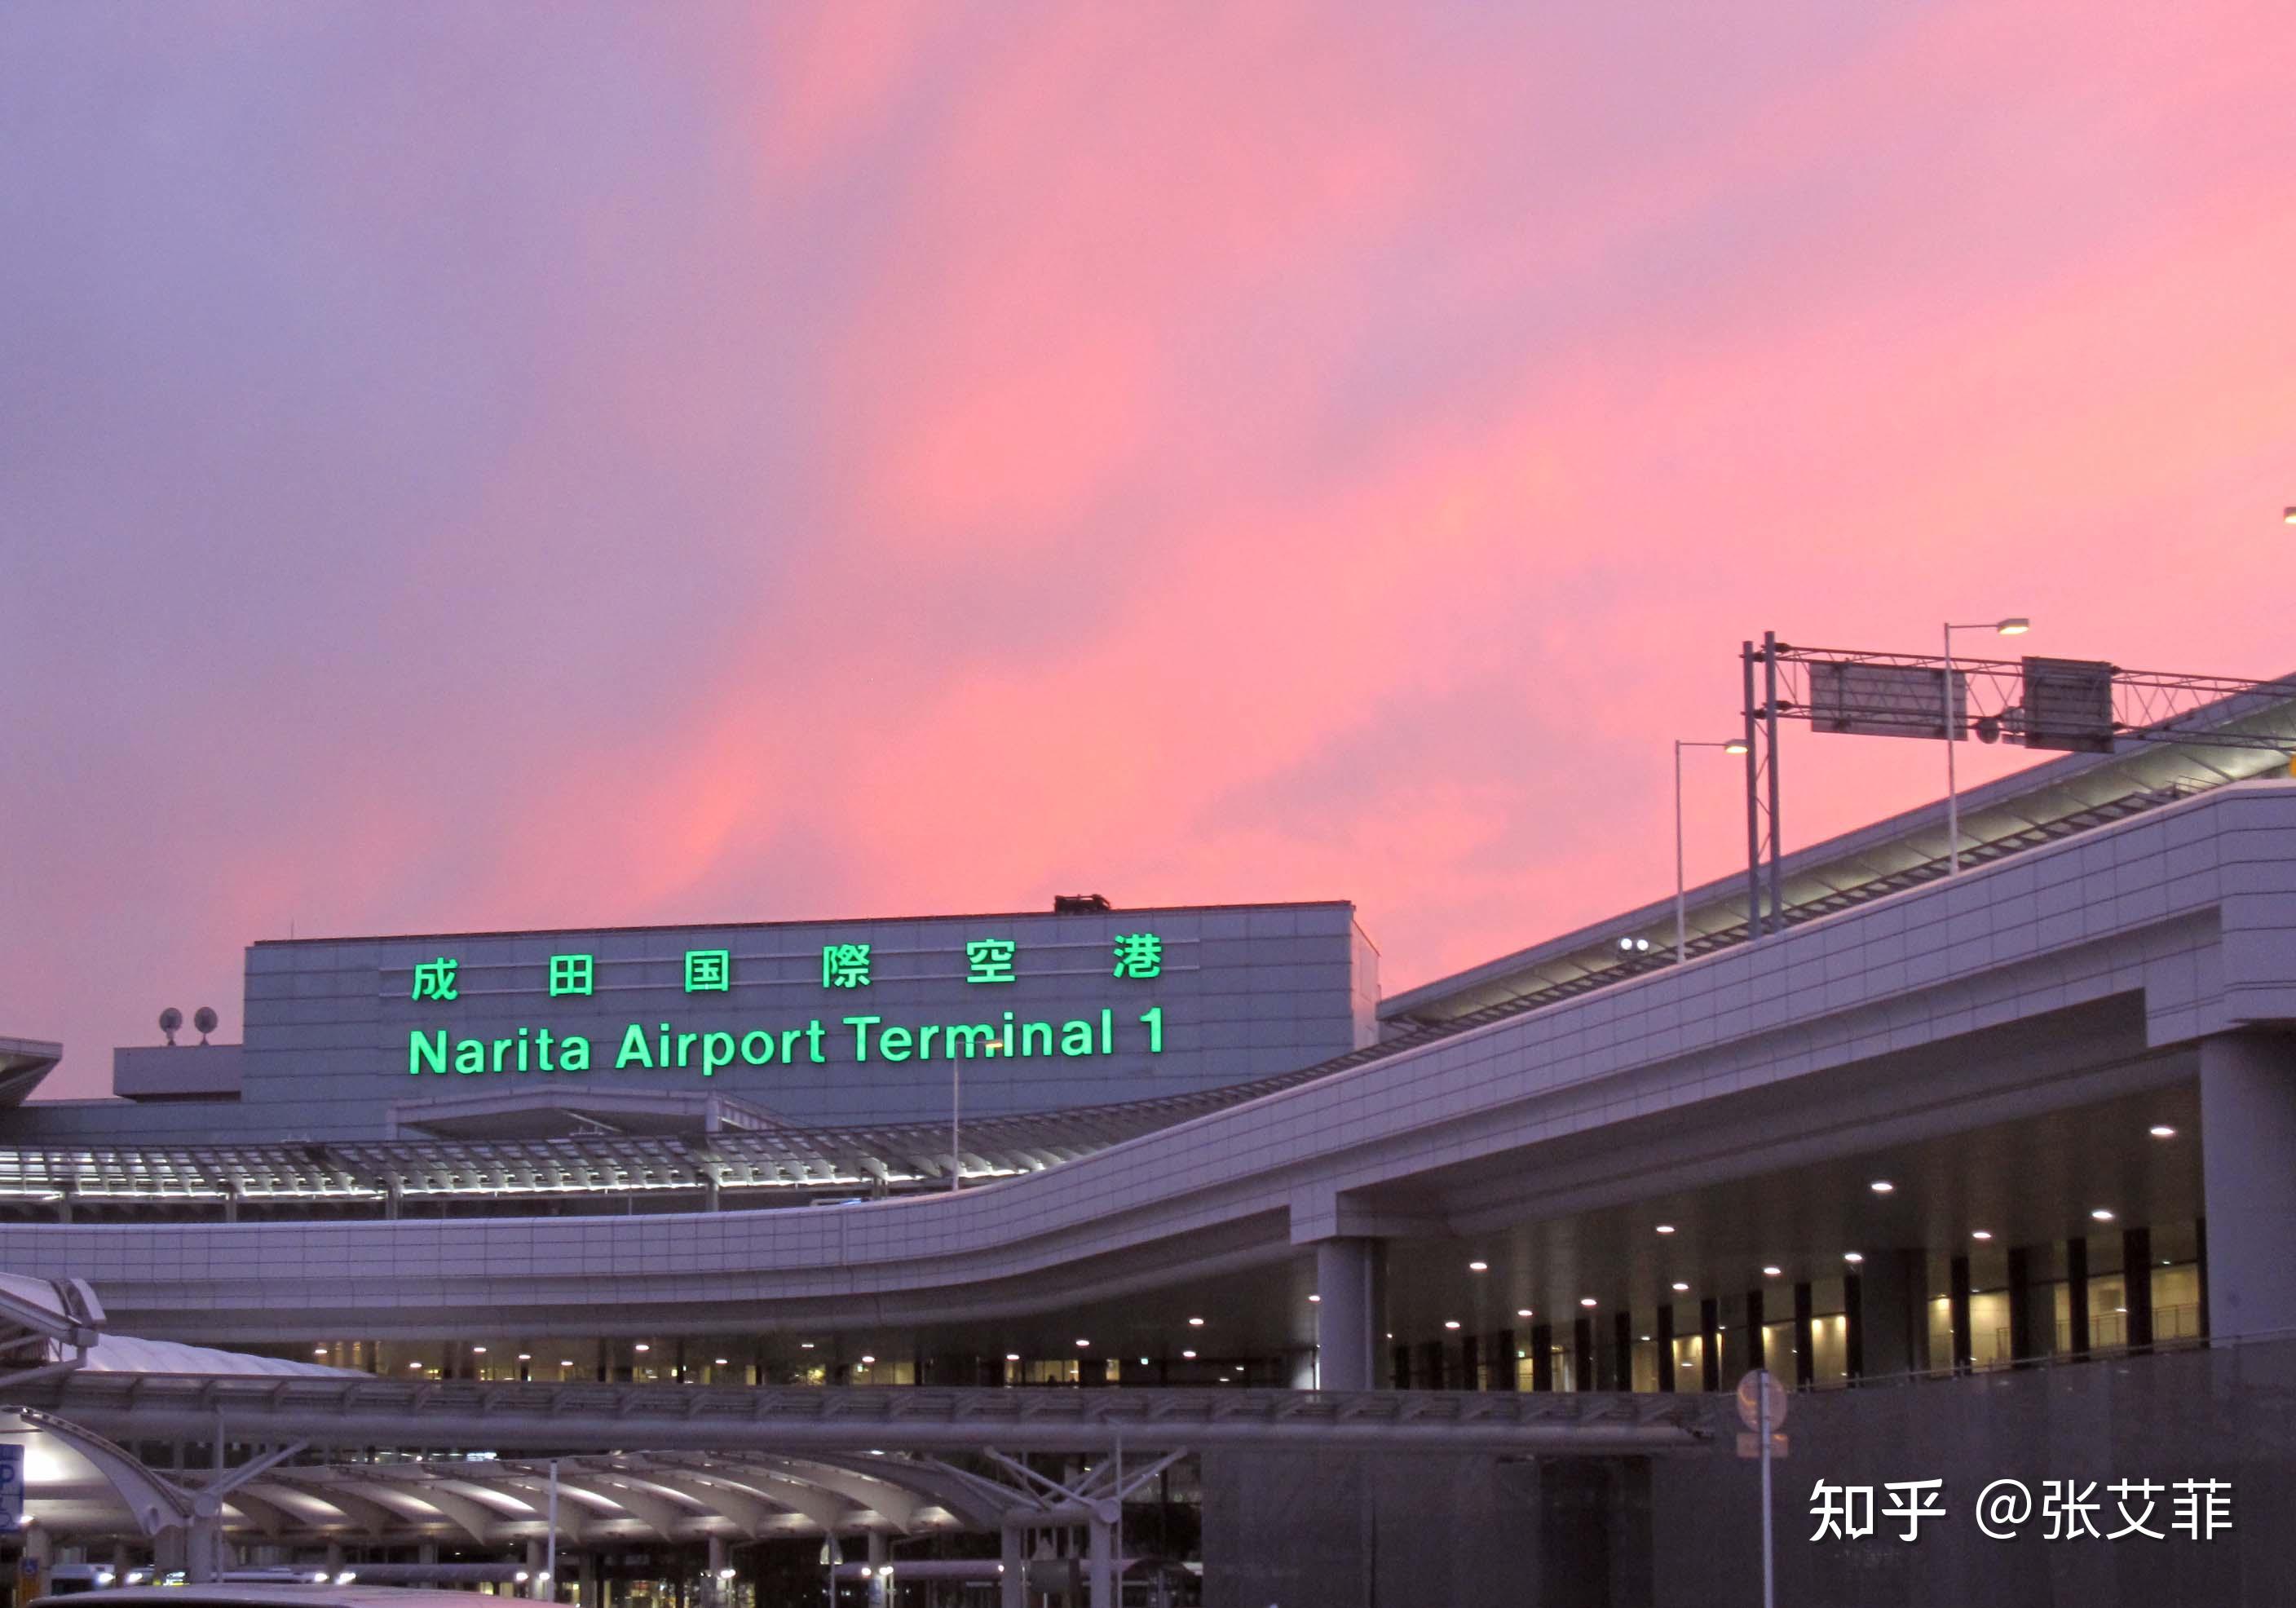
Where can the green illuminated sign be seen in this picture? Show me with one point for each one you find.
(663, 1048)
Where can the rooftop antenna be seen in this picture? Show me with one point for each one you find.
(204, 1019)
(170, 1020)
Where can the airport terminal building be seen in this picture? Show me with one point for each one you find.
(2021, 1139)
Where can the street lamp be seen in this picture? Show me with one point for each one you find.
(1681, 945)
(2016, 625)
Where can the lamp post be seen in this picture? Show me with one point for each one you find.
(1681, 938)
(2016, 625)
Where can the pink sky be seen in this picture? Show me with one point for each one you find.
(513, 466)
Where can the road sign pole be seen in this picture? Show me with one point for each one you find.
(1768, 1600)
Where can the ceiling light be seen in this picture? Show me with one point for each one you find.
(1314, 1297)
(805, 1345)
(525, 1357)
(322, 1350)
(1191, 1356)
(1478, 1267)
(478, 1350)
(1981, 1234)
(1852, 1256)
(2102, 1215)
(1451, 1323)
(1882, 1186)
(1772, 1272)
(1082, 1342)
(719, 1362)
(1015, 1356)
(1143, 1362)
(642, 1345)
(414, 1365)
(1666, 1227)
(2118, 1310)
(1195, 1322)
(868, 1362)
(1680, 1288)
(1522, 1312)
(1586, 1301)
(565, 1362)
(2162, 1130)
(1645, 1338)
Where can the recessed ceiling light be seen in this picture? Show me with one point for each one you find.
(1451, 1323)
(525, 1357)
(565, 1362)
(1981, 1234)
(1666, 1227)
(1522, 1312)
(1679, 1287)
(1143, 1362)
(807, 1345)
(1852, 1256)
(1316, 1298)
(2162, 1130)
(1882, 1186)
(322, 1350)
(1478, 1267)
(1647, 1337)
(1195, 1322)
(2102, 1215)
(1082, 1342)
(1586, 1301)
(1191, 1356)
(2122, 1310)
(719, 1362)
(481, 1350)
(1772, 1272)
(868, 1362)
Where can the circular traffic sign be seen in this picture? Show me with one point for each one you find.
(1751, 1388)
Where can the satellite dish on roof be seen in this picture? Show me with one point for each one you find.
(170, 1020)
(204, 1019)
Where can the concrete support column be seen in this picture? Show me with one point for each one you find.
(334, 1559)
(2021, 1305)
(1709, 1343)
(1542, 1356)
(1758, 1354)
(1582, 1354)
(1963, 1335)
(716, 1589)
(1664, 1334)
(2077, 1296)
(881, 1554)
(1347, 1318)
(1013, 1589)
(585, 1566)
(536, 1558)
(1622, 1350)
(1503, 1376)
(1889, 1328)
(203, 1560)
(2136, 1287)
(2247, 1133)
(1100, 1562)
(1805, 1341)
(1471, 1363)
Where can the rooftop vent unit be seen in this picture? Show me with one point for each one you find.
(1080, 904)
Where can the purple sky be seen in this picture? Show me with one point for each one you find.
(508, 466)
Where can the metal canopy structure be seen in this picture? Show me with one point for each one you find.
(521, 1417)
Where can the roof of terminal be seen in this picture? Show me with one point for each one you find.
(1113, 913)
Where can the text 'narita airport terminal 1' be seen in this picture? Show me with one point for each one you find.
(1138, 956)
(664, 1049)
